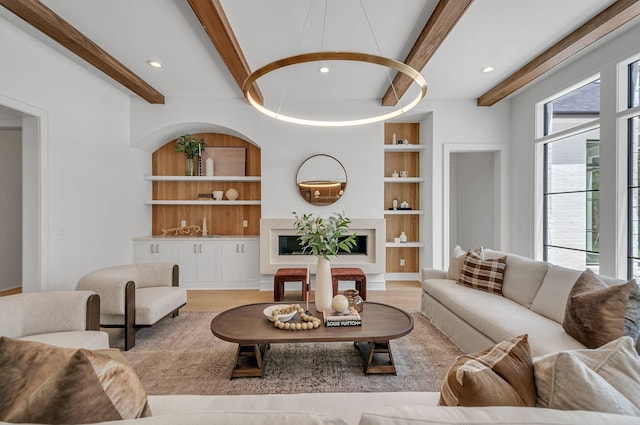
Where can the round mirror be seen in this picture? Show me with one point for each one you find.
(321, 179)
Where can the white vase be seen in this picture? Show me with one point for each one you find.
(324, 287)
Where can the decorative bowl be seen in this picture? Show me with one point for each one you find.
(232, 194)
(282, 317)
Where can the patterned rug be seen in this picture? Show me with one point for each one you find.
(181, 356)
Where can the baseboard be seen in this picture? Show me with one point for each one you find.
(402, 276)
(220, 286)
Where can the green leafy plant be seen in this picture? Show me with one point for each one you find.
(189, 145)
(324, 237)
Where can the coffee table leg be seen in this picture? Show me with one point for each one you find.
(249, 361)
(377, 356)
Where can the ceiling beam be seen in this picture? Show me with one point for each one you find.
(442, 20)
(614, 16)
(217, 26)
(48, 22)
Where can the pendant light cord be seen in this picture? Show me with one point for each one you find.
(304, 27)
(375, 40)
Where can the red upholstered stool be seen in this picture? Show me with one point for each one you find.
(288, 275)
(350, 273)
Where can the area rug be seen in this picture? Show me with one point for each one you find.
(182, 356)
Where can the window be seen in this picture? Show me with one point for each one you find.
(572, 109)
(571, 200)
(633, 196)
(634, 84)
(571, 213)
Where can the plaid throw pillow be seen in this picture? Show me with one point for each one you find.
(485, 275)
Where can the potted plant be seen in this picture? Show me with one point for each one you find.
(323, 238)
(191, 148)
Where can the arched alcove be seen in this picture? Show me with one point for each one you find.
(176, 197)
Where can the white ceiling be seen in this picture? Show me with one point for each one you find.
(505, 34)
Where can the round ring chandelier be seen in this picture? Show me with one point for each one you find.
(337, 56)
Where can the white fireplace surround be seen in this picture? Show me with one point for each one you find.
(371, 263)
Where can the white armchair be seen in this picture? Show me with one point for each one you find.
(64, 318)
(133, 296)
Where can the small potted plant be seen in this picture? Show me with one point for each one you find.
(191, 148)
(322, 238)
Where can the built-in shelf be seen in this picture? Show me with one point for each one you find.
(403, 148)
(404, 179)
(404, 245)
(202, 178)
(403, 212)
(200, 202)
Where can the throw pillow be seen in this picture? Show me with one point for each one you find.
(603, 379)
(51, 385)
(456, 259)
(597, 313)
(486, 275)
(501, 375)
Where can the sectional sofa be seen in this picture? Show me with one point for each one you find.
(534, 298)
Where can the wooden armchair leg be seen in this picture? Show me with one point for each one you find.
(130, 316)
(175, 313)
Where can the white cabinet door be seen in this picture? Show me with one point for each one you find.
(240, 261)
(198, 261)
(154, 252)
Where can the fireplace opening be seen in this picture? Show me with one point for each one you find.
(290, 245)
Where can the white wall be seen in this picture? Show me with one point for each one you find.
(283, 148)
(526, 214)
(472, 199)
(93, 202)
(11, 208)
(461, 123)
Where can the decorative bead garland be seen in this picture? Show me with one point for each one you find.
(309, 322)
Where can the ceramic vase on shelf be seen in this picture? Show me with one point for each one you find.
(190, 166)
(403, 237)
(324, 286)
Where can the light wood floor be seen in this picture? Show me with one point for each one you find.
(402, 294)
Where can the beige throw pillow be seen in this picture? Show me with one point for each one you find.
(597, 313)
(501, 375)
(52, 385)
(605, 379)
(485, 275)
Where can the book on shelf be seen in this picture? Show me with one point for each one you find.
(335, 319)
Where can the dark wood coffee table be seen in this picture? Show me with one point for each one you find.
(247, 326)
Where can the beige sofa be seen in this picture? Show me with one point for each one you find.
(535, 296)
(400, 408)
(65, 318)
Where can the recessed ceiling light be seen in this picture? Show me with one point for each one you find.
(154, 64)
(487, 69)
(324, 69)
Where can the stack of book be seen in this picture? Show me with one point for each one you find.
(334, 319)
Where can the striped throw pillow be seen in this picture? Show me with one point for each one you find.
(485, 275)
(501, 375)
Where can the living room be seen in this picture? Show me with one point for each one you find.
(87, 144)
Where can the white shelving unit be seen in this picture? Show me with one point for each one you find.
(403, 148)
(199, 202)
(404, 179)
(404, 245)
(203, 178)
(403, 212)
